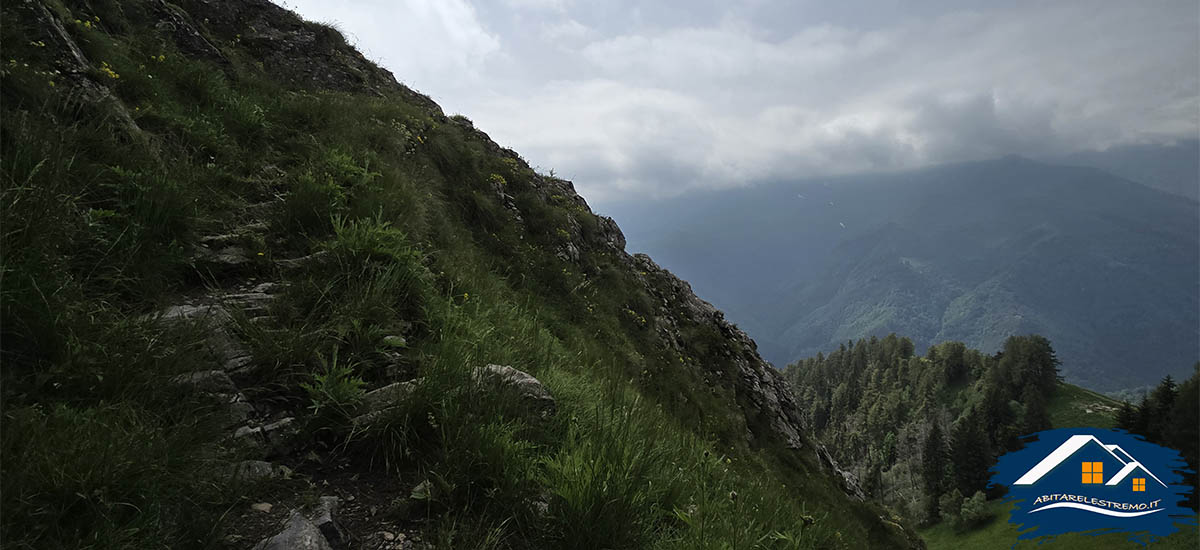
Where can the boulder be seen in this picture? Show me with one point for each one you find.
(208, 381)
(531, 390)
(273, 439)
(325, 518)
(255, 470)
(221, 260)
(379, 400)
(298, 534)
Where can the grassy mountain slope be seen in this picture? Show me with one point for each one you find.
(974, 252)
(217, 192)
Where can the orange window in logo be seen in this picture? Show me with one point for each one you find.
(1139, 484)
(1093, 472)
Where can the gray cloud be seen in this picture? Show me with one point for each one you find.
(657, 99)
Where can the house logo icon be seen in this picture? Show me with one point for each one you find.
(1078, 480)
(1128, 473)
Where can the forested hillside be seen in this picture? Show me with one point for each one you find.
(252, 283)
(920, 433)
(1169, 415)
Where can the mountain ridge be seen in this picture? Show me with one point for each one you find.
(975, 251)
(264, 248)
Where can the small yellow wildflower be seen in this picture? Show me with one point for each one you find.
(260, 253)
(87, 24)
(78, 22)
(96, 18)
(51, 83)
(107, 70)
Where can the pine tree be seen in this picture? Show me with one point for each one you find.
(1127, 416)
(970, 454)
(933, 467)
(1036, 417)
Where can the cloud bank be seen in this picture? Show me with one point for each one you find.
(632, 100)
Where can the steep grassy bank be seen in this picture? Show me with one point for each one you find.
(210, 153)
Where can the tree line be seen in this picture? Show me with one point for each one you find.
(1169, 415)
(922, 432)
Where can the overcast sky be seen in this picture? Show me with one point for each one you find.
(633, 99)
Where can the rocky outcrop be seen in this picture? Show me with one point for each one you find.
(298, 534)
(300, 53)
(532, 393)
(847, 478)
(75, 69)
(763, 394)
(530, 390)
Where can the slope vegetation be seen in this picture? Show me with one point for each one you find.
(230, 238)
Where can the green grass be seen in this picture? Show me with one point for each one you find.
(1069, 408)
(998, 533)
(99, 452)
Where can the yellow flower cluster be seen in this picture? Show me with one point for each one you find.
(635, 317)
(107, 70)
(159, 58)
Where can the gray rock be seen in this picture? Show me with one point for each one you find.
(394, 341)
(292, 264)
(273, 439)
(227, 349)
(848, 480)
(325, 518)
(389, 396)
(235, 410)
(222, 259)
(298, 534)
(257, 470)
(219, 241)
(529, 388)
(176, 23)
(208, 381)
(194, 312)
(265, 288)
(388, 540)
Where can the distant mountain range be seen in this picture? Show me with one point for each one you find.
(1173, 168)
(1108, 269)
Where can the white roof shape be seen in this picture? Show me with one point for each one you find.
(1117, 450)
(1068, 448)
(1128, 469)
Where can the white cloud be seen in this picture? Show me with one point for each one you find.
(662, 100)
(435, 44)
